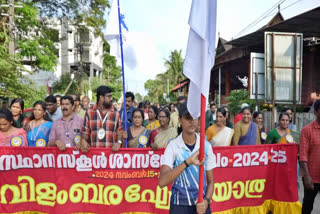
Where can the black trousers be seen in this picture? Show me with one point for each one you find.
(181, 209)
(308, 198)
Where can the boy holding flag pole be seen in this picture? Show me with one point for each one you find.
(180, 167)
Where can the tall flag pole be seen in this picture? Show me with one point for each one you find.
(197, 67)
(123, 76)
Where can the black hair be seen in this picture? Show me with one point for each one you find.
(283, 114)
(166, 111)
(21, 103)
(141, 105)
(212, 104)
(6, 114)
(43, 106)
(225, 107)
(68, 98)
(77, 97)
(141, 112)
(256, 114)
(102, 90)
(130, 94)
(222, 111)
(286, 108)
(316, 105)
(51, 99)
(155, 109)
(18, 100)
(58, 95)
(86, 97)
(147, 102)
(182, 98)
(248, 108)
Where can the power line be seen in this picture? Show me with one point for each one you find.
(263, 16)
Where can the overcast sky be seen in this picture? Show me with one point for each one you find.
(159, 27)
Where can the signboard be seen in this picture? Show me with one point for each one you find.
(283, 64)
(248, 179)
(257, 75)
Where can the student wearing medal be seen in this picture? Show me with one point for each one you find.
(39, 127)
(10, 135)
(281, 134)
(258, 119)
(65, 131)
(102, 127)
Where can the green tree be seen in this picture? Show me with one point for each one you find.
(60, 86)
(175, 66)
(236, 98)
(35, 42)
(138, 97)
(173, 75)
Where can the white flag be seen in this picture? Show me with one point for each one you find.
(200, 53)
(113, 38)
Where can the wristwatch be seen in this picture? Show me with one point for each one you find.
(185, 162)
(119, 141)
(207, 199)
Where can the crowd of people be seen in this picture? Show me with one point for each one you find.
(68, 121)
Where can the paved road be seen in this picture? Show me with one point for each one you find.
(316, 206)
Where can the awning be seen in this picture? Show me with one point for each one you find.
(307, 23)
(180, 85)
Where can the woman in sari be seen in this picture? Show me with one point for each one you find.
(39, 127)
(281, 134)
(246, 131)
(218, 134)
(10, 135)
(152, 122)
(258, 119)
(138, 136)
(228, 123)
(161, 136)
(16, 108)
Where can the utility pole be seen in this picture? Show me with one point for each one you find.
(11, 27)
(11, 24)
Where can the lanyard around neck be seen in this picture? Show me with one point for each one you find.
(104, 119)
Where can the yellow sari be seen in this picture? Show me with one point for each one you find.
(153, 125)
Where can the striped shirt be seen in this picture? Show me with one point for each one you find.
(112, 125)
(310, 149)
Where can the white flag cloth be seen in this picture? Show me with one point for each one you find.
(113, 38)
(200, 53)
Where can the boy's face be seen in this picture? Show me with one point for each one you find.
(188, 124)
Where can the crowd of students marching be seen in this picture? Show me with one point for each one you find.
(147, 125)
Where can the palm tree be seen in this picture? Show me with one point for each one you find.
(175, 66)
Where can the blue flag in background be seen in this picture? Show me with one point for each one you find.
(123, 24)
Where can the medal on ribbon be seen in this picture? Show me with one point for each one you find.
(171, 139)
(143, 140)
(16, 141)
(263, 135)
(40, 143)
(77, 139)
(101, 133)
(289, 138)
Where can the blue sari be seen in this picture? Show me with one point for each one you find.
(251, 137)
(39, 136)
